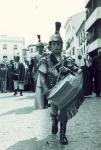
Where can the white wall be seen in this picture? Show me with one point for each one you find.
(10, 42)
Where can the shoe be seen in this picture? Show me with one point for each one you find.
(63, 139)
(97, 95)
(54, 125)
(15, 93)
(21, 93)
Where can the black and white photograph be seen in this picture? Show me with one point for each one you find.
(50, 74)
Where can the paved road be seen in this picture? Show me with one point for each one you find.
(23, 128)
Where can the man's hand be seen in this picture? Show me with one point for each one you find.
(63, 69)
(43, 60)
(79, 70)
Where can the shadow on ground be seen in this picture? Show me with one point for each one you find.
(19, 97)
(25, 110)
(49, 143)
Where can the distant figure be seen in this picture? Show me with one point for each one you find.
(18, 75)
(31, 69)
(3, 77)
(87, 78)
(96, 63)
(10, 76)
(40, 48)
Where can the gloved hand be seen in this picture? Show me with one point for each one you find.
(63, 69)
(79, 70)
(43, 60)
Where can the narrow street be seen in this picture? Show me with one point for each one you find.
(23, 128)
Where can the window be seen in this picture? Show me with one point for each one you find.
(4, 57)
(84, 49)
(31, 49)
(70, 53)
(79, 40)
(4, 46)
(73, 50)
(15, 47)
(24, 53)
(84, 38)
(67, 45)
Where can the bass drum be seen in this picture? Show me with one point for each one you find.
(67, 91)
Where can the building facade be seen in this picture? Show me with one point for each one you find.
(32, 52)
(82, 51)
(11, 46)
(93, 26)
(74, 27)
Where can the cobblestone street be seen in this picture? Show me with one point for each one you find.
(23, 128)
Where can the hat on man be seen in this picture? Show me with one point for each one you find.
(40, 44)
(56, 37)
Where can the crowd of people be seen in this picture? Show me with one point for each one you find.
(28, 72)
(44, 71)
(18, 76)
(92, 75)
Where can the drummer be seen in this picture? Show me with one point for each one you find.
(48, 77)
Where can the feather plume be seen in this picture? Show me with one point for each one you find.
(39, 38)
(57, 27)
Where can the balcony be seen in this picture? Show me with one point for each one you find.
(87, 2)
(92, 19)
(94, 45)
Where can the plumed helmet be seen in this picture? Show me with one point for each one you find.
(40, 44)
(56, 37)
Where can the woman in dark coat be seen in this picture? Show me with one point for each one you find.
(97, 73)
(87, 79)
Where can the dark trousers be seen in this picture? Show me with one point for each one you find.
(62, 113)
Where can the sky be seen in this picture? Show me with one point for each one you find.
(28, 18)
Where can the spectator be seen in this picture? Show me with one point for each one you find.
(10, 76)
(3, 77)
(18, 75)
(96, 63)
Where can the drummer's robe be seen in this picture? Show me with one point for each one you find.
(41, 88)
(73, 97)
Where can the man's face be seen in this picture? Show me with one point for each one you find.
(17, 59)
(56, 47)
(40, 49)
(12, 61)
(5, 59)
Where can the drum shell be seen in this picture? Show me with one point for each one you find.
(66, 90)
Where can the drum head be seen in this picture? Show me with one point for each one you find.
(60, 85)
(66, 90)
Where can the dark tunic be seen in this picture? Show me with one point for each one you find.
(19, 74)
(87, 80)
(97, 74)
(51, 80)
